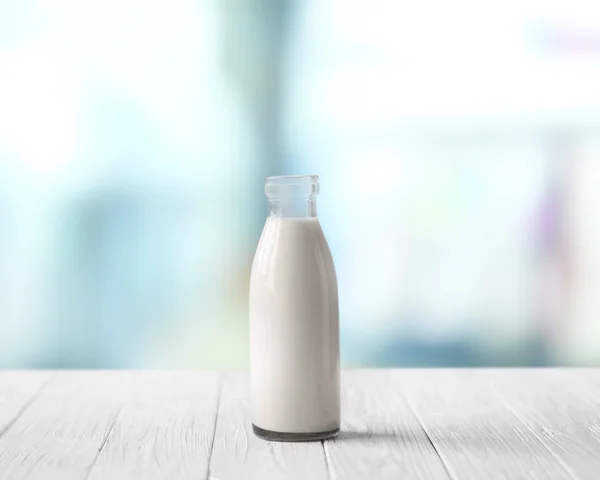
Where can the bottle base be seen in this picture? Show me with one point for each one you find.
(293, 437)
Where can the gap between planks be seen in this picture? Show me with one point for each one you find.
(327, 462)
(445, 463)
(238, 453)
(162, 411)
(446, 391)
(380, 433)
(526, 424)
(103, 444)
(212, 443)
(34, 396)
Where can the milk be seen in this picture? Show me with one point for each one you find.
(294, 332)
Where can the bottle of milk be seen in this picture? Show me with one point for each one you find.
(294, 320)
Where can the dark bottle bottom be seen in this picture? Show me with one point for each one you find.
(293, 437)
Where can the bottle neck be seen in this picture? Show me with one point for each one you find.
(292, 196)
(293, 207)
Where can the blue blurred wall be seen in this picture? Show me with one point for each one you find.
(458, 148)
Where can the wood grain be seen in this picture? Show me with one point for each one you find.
(18, 390)
(414, 424)
(379, 434)
(59, 435)
(238, 454)
(472, 430)
(165, 428)
(562, 408)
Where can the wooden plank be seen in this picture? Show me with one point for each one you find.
(472, 430)
(484, 424)
(239, 454)
(60, 434)
(380, 437)
(165, 429)
(18, 389)
(562, 408)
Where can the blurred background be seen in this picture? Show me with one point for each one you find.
(458, 146)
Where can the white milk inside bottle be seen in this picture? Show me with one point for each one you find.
(294, 320)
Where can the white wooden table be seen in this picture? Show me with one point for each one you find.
(397, 424)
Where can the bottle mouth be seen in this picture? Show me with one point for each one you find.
(292, 186)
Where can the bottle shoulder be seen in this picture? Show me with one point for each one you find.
(294, 234)
(292, 245)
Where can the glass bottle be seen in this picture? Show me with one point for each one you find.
(294, 319)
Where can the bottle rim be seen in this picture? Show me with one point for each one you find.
(291, 179)
(291, 186)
